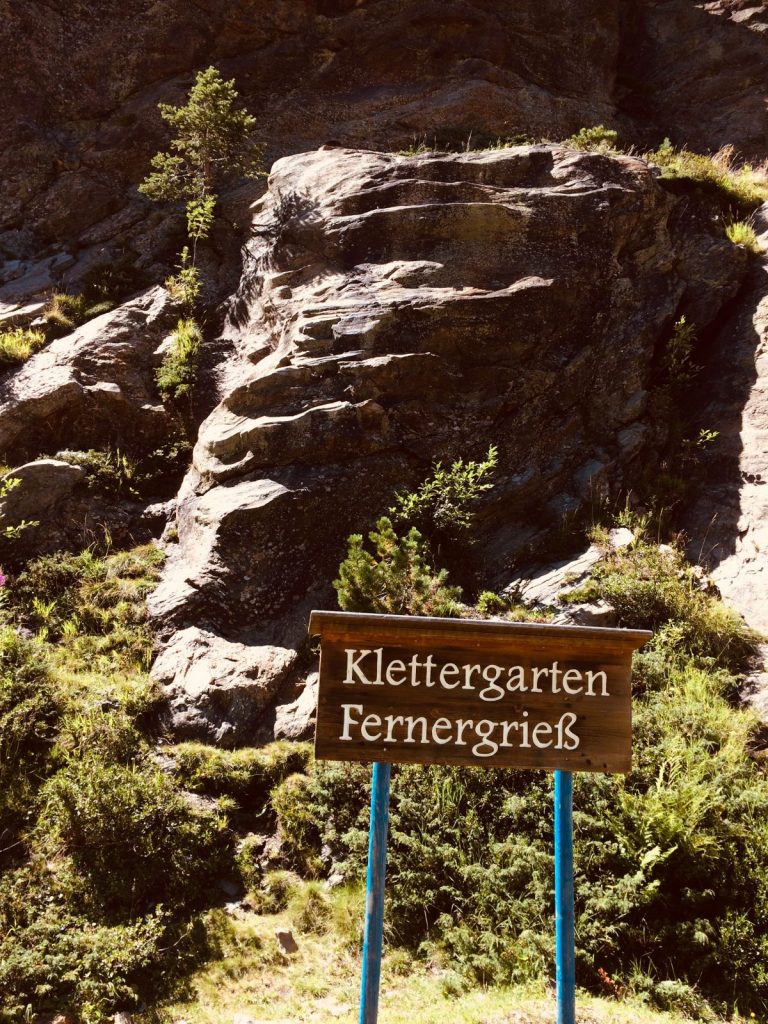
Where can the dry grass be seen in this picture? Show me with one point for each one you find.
(741, 232)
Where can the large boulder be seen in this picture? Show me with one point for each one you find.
(94, 388)
(400, 310)
(217, 690)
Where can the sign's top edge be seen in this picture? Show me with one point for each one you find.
(318, 620)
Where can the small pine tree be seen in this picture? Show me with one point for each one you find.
(397, 579)
(213, 143)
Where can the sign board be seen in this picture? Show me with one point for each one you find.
(406, 689)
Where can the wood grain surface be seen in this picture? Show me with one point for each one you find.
(405, 689)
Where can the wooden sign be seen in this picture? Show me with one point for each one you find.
(406, 689)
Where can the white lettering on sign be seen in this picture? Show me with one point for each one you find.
(491, 683)
(487, 735)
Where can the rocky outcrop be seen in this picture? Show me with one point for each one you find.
(55, 505)
(217, 690)
(696, 72)
(401, 310)
(82, 95)
(728, 522)
(94, 388)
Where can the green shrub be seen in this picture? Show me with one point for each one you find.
(185, 285)
(248, 774)
(248, 860)
(129, 841)
(53, 959)
(275, 891)
(109, 472)
(667, 861)
(653, 587)
(213, 143)
(30, 708)
(737, 184)
(397, 579)
(309, 908)
(298, 826)
(177, 373)
(443, 507)
(18, 344)
(598, 139)
(490, 603)
(741, 232)
(95, 606)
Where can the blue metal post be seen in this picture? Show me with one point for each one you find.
(374, 896)
(565, 935)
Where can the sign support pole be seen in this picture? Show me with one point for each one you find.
(374, 894)
(565, 935)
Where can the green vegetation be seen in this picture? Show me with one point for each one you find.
(672, 883)
(12, 532)
(654, 587)
(597, 139)
(741, 232)
(320, 982)
(213, 144)
(247, 775)
(66, 312)
(737, 184)
(177, 373)
(184, 286)
(99, 850)
(443, 506)
(114, 472)
(110, 866)
(18, 344)
(509, 607)
(396, 579)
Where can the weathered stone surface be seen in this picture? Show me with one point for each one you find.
(729, 522)
(697, 72)
(296, 720)
(406, 309)
(598, 614)
(39, 487)
(286, 941)
(69, 513)
(385, 74)
(92, 388)
(543, 584)
(217, 690)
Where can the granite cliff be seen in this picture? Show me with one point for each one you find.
(370, 313)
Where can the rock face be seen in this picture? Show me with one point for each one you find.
(696, 72)
(729, 521)
(217, 690)
(93, 388)
(401, 310)
(84, 88)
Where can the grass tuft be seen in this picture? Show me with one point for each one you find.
(740, 184)
(597, 139)
(18, 344)
(741, 232)
(177, 373)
